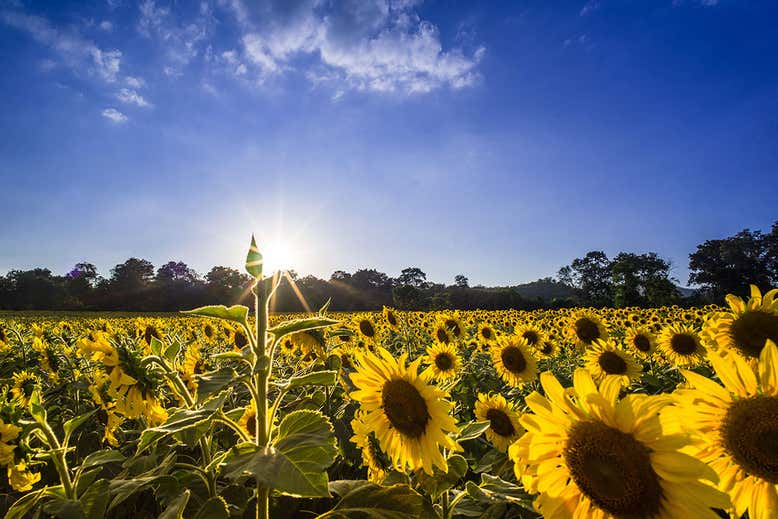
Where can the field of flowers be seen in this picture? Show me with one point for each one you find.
(663, 412)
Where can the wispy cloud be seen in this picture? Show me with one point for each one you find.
(127, 96)
(75, 51)
(371, 46)
(114, 115)
(589, 7)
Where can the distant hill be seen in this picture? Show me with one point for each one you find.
(546, 289)
(686, 292)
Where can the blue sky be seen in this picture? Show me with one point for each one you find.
(495, 139)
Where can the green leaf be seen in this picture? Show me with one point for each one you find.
(64, 508)
(325, 307)
(301, 325)
(24, 504)
(495, 490)
(180, 420)
(102, 457)
(235, 313)
(365, 500)
(214, 381)
(171, 351)
(74, 423)
(95, 499)
(441, 481)
(175, 509)
(36, 408)
(317, 378)
(214, 508)
(254, 260)
(296, 463)
(122, 489)
(156, 346)
(473, 430)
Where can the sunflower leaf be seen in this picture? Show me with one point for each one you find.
(365, 500)
(473, 430)
(301, 325)
(235, 313)
(254, 260)
(296, 463)
(317, 378)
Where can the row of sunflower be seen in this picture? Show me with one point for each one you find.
(665, 412)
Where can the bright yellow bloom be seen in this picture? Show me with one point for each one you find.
(605, 359)
(747, 326)
(443, 362)
(410, 418)
(24, 384)
(504, 427)
(584, 327)
(738, 427)
(513, 361)
(20, 478)
(588, 454)
(680, 345)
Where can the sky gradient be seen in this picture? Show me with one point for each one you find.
(495, 139)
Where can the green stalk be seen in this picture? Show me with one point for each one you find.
(58, 457)
(261, 378)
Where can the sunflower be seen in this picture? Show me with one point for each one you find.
(376, 461)
(533, 335)
(367, 328)
(738, 426)
(504, 427)
(444, 362)
(680, 345)
(455, 325)
(248, 421)
(410, 418)
(605, 359)
(588, 454)
(391, 318)
(641, 341)
(193, 365)
(239, 339)
(486, 334)
(513, 361)
(24, 384)
(208, 331)
(441, 334)
(287, 346)
(747, 326)
(20, 478)
(584, 328)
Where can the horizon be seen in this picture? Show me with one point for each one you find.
(497, 141)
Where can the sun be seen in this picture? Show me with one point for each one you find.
(279, 255)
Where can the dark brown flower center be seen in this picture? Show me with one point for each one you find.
(390, 317)
(642, 343)
(749, 434)
(751, 330)
(366, 327)
(547, 349)
(405, 408)
(587, 330)
(442, 335)
(612, 363)
(513, 359)
(486, 333)
(240, 339)
(531, 336)
(500, 423)
(683, 344)
(208, 330)
(443, 361)
(613, 469)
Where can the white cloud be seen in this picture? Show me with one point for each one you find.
(374, 45)
(591, 5)
(106, 26)
(76, 51)
(134, 82)
(180, 40)
(114, 115)
(127, 96)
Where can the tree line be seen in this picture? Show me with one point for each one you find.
(717, 267)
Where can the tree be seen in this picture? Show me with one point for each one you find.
(641, 280)
(36, 289)
(176, 271)
(590, 276)
(461, 281)
(730, 265)
(129, 284)
(412, 276)
(80, 282)
(227, 284)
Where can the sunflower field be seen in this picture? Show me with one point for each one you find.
(217, 413)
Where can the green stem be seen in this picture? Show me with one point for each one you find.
(58, 457)
(261, 375)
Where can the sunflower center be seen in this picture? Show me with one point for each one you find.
(613, 469)
(531, 337)
(391, 318)
(366, 327)
(251, 423)
(442, 335)
(547, 348)
(513, 359)
(749, 431)
(683, 344)
(642, 343)
(486, 333)
(611, 363)
(405, 407)
(240, 339)
(751, 330)
(500, 423)
(587, 330)
(443, 361)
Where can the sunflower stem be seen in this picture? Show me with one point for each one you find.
(261, 375)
